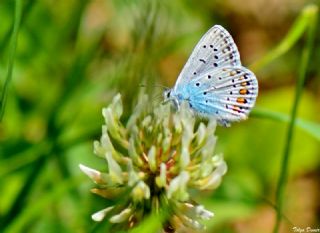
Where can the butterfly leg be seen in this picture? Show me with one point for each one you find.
(224, 122)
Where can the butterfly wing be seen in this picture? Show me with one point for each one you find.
(215, 49)
(226, 93)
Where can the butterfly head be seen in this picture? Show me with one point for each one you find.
(169, 95)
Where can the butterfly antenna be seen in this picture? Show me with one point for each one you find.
(156, 98)
(154, 85)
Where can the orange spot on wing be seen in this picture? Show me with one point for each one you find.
(235, 108)
(243, 91)
(232, 73)
(244, 84)
(241, 100)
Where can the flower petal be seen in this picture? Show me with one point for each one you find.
(100, 215)
(178, 187)
(161, 180)
(203, 213)
(141, 191)
(122, 216)
(95, 175)
(213, 180)
(115, 170)
(152, 159)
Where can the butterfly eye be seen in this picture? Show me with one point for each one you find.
(168, 94)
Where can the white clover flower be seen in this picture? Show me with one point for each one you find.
(152, 163)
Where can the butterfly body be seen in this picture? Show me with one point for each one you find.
(213, 82)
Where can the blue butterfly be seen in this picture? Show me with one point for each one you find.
(213, 82)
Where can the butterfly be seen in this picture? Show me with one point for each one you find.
(213, 82)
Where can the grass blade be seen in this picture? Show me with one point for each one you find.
(12, 52)
(311, 13)
(290, 39)
(310, 127)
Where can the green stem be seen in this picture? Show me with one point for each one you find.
(12, 52)
(311, 12)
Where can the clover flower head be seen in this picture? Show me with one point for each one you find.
(152, 164)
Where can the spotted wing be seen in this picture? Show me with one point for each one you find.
(214, 50)
(227, 94)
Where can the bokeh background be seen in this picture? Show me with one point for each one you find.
(73, 56)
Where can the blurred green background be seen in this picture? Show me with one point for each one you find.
(73, 56)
